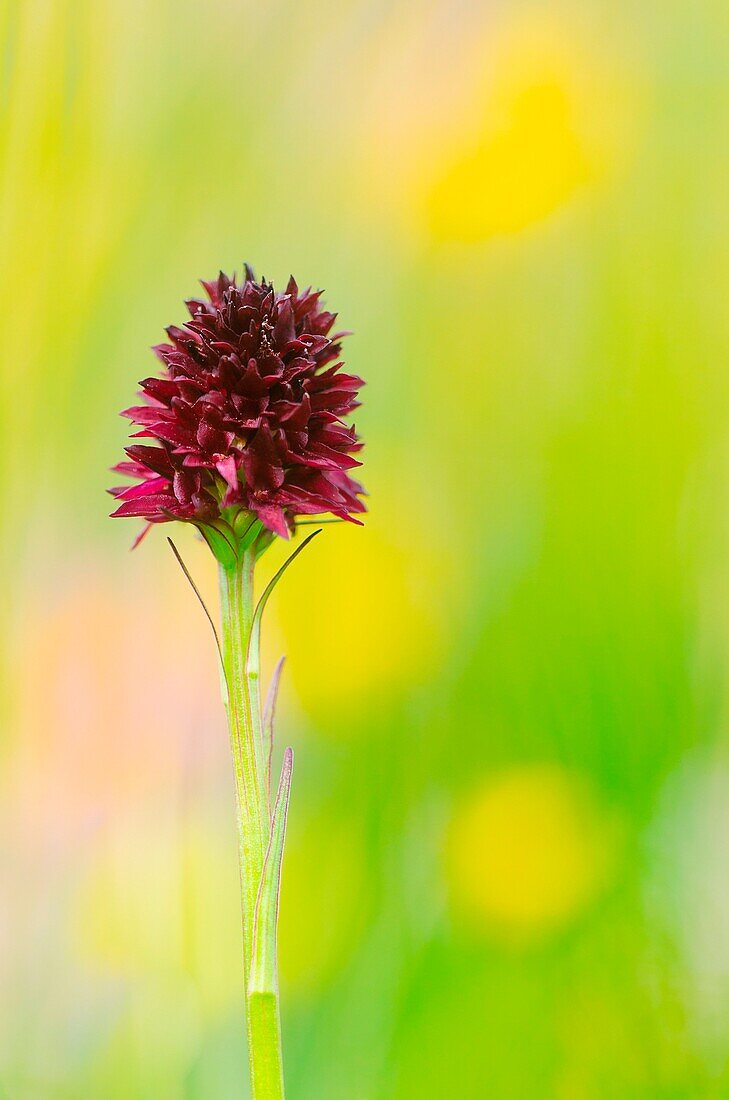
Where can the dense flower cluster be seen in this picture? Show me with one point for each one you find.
(248, 413)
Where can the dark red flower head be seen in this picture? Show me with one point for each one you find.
(248, 414)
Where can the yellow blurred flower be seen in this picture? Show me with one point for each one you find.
(516, 174)
(499, 129)
(528, 850)
(362, 612)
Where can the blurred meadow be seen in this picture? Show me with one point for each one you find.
(507, 872)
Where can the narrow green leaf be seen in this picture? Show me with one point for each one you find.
(209, 617)
(313, 522)
(264, 972)
(255, 635)
(269, 715)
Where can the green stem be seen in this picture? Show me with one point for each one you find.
(241, 694)
(264, 1046)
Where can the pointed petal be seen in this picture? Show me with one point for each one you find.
(228, 470)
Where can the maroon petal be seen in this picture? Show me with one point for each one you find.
(144, 488)
(154, 458)
(274, 518)
(228, 470)
(155, 505)
(262, 464)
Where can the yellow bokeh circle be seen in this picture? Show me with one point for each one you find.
(528, 850)
(362, 615)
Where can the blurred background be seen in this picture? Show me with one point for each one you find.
(506, 873)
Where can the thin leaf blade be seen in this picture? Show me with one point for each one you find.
(264, 969)
(269, 716)
(255, 636)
